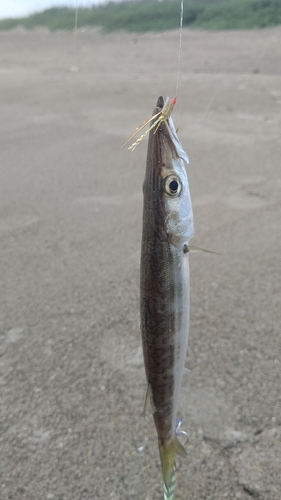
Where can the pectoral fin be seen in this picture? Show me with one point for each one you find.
(194, 249)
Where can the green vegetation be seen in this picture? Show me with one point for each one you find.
(240, 14)
(155, 15)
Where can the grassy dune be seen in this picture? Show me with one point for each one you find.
(153, 15)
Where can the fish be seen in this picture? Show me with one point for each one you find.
(165, 284)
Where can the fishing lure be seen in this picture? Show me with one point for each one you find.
(161, 116)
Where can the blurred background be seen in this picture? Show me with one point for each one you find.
(71, 369)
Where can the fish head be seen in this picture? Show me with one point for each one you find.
(166, 187)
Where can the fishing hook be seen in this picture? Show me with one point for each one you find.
(181, 433)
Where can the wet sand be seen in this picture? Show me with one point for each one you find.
(72, 377)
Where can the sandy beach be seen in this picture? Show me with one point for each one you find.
(71, 371)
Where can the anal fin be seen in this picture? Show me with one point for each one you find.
(148, 403)
(168, 453)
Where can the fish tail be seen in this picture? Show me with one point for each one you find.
(168, 453)
(169, 493)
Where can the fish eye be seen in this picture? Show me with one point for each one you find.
(172, 185)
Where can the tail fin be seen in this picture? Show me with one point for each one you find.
(170, 492)
(168, 452)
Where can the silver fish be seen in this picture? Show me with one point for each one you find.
(165, 285)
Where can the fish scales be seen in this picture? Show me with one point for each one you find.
(164, 284)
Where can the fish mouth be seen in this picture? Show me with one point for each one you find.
(160, 102)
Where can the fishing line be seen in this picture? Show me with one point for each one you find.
(180, 51)
(178, 83)
(75, 25)
(75, 67)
